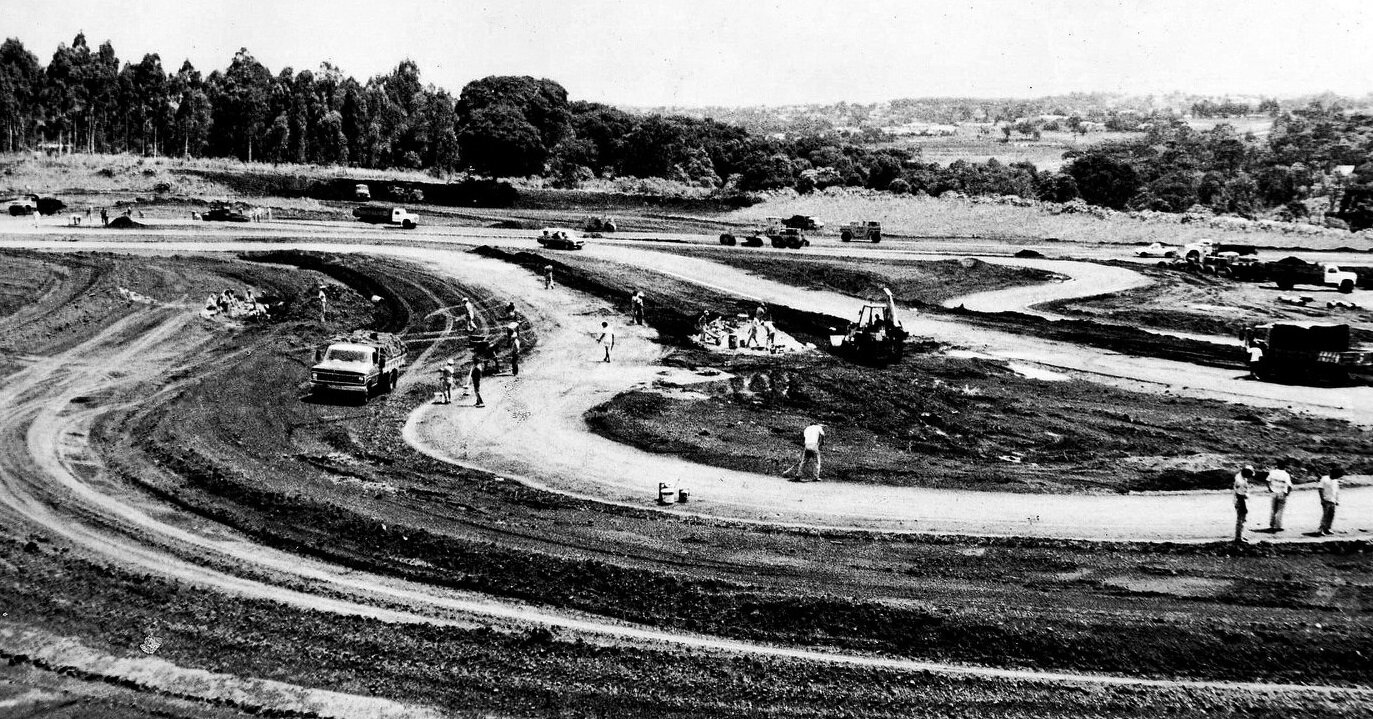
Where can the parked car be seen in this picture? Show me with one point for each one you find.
(1158, 249)
(560, 238)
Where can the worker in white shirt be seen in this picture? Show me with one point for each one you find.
(1241, 490)
(814, 437)
(1330, 498)
(1280, 484)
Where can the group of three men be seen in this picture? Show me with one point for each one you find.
(1280, 486)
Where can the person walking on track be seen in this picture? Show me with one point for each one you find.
(1241, 490)
(548, 277)
(606, 339)
(471, 314)
(636, 303)
(1329, 487)
(514, 351)
(477, 383)
(1280, 484)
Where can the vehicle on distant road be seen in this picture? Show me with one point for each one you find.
(1158, 249)
(224, 212)
(600, 223)
(752, 239)
(561, 238)
(803, 222)
(386, 215)
(788, 238)
(861, 232)
(361, 192)
(1293, 271)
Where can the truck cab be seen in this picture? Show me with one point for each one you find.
(1196, 251)
(1333, 276)
(360, 364)
(362, 192)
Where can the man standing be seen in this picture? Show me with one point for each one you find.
(1330, 498)
(446, 381)
(471, 314)
(548, 277)
(1242, 501)
(1255, 359)
(104, 217)
(636, 304)
(477, 383)
(814, 437)
(323, 304)
(514, 351)
(606, 339)
(1280, 484)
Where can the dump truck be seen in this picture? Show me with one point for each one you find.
(1307, 351)
(861, 232)
(386, 215)
(877, 337)
(1292, 271)
(360, 363)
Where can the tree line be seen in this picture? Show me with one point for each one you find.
(507, 126)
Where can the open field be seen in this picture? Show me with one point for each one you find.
(924, 217)
(969, 145)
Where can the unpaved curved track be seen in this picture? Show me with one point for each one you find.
(52, 481)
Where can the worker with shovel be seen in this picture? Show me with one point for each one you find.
(814, 440)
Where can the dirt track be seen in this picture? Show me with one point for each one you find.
(555, 451)
(44, 427)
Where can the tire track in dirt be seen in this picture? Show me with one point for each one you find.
(41, 486)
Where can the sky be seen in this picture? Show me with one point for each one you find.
(755, 52)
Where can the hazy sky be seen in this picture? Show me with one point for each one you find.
(745, 52)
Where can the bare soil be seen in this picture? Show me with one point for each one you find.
(936, 421)
(239, 444)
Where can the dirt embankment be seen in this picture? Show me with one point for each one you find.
(912, 282)
(1206, 304)
(240, 446)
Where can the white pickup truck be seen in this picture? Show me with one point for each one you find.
(363, 362)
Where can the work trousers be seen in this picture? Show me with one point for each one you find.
(1241, 514)
(1327, 515)
(1279, 504)
(812, 459)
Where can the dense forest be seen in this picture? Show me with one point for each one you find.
(85, 99)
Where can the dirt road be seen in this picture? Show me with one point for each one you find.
(51, 482)
(533, 427)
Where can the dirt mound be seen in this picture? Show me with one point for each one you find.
(124, 222)
(1029, 255)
